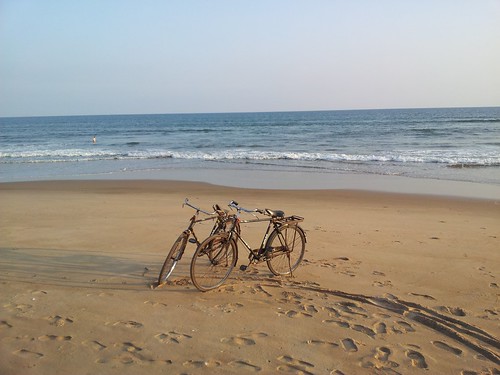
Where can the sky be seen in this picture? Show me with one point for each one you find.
(74, 57)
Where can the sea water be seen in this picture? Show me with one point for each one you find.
(457, 144)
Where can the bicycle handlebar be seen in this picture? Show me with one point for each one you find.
(274, 214)
(236, 206)
(216, 208)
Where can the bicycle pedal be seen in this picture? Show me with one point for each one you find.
(243, 267)
(192, 240)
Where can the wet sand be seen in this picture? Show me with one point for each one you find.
(391, 283)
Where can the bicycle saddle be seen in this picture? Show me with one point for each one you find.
(275, 213)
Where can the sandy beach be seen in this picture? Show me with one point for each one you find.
(390, 284)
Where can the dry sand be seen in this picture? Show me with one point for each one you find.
(390, 284)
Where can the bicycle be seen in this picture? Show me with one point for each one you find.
(282, 247)
(188, 235)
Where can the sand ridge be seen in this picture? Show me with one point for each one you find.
(389, 284)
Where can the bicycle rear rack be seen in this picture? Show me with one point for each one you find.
(294, 219)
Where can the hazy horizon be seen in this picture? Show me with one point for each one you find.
(248, 112)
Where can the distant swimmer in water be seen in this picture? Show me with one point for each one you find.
(93, 139)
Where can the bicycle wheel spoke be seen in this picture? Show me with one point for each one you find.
(285, 250)
(212, 262)
(173, 257)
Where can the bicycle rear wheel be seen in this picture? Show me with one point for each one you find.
(173, 257)
(285, 249)
(213, 261)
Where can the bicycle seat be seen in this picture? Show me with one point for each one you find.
(275, 213)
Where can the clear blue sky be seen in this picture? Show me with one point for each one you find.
(69, 57)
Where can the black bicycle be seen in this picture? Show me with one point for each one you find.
(282, 247)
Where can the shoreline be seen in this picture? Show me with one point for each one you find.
(389, 283)
(293, 180)
(157, 186)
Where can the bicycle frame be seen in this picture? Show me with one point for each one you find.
(282, 247)
(194, 220)
(274, 224)
(255, 253)
(188, 235)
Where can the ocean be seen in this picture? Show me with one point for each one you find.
(457, 144)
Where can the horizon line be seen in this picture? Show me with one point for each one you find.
(250, 112)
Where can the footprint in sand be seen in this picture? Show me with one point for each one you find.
(129, 347)
(349, 345)
(363, 329)
(202, 364)
(172, 337)
(457, 311)
(382, 284)
(54, 338)
(244, 339)
(128, 324)
(309, 308)
(379, 360)
(417, 359)
(4, 324)
(229, 307)
(449, 348)
(404, 327)
(382, 353)
(491, 312)
(340, 323)
(380, 327)
(327, 265)
(130, 354)
(59, 321)
(28, 354)
(348, 273)
(289, 296)
(352, 308)
(294, 314)
(381, 316)
(332, 312)
(291, 364)
(261, 289)
(38, 292)
(95, 345)
(322, 343)
(426, 296)
(21, 308)
(245, 366)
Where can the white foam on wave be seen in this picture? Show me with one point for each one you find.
(449, 157)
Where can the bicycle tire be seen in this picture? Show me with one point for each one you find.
(173, 257)
(213, 261)
(285, 249)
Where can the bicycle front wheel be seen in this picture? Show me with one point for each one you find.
(213, 261)
(173, 257)
(285, 249)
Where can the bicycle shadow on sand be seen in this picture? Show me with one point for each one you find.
(78, 268)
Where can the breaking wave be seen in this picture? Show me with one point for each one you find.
(451, 158)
